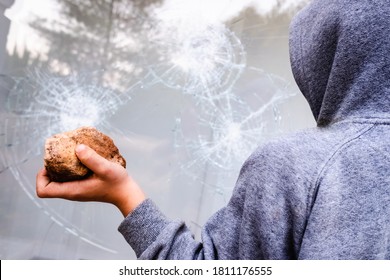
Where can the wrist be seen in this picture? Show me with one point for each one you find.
(130, 197)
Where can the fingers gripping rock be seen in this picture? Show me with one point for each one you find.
(60, 159)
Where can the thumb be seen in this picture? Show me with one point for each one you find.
(92, 160)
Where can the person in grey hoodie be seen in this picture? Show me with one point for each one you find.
(320, 193)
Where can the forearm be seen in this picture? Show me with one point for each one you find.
(153, 236)
(129, 198)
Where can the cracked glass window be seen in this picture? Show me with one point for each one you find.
(187, 90)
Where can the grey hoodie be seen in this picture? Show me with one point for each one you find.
(321, 193)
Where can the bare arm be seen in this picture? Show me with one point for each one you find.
(109, 183)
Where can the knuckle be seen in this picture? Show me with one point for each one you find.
(108, 170)
(41, 193)
(105, 170)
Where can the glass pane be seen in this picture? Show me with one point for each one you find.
(187, 90)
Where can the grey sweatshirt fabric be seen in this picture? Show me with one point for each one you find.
(321, 193)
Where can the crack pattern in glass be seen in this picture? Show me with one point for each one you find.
(204, 61)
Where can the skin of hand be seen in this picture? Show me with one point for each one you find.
(109, 183)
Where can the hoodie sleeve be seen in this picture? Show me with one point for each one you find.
(153, 236)
(264, 218)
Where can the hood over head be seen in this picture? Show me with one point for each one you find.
(340, 58)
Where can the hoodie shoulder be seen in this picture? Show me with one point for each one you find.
(280, 181)
(298, 159)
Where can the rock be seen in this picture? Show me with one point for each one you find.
(60, 158)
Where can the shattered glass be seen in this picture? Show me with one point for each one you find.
(187, 94)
